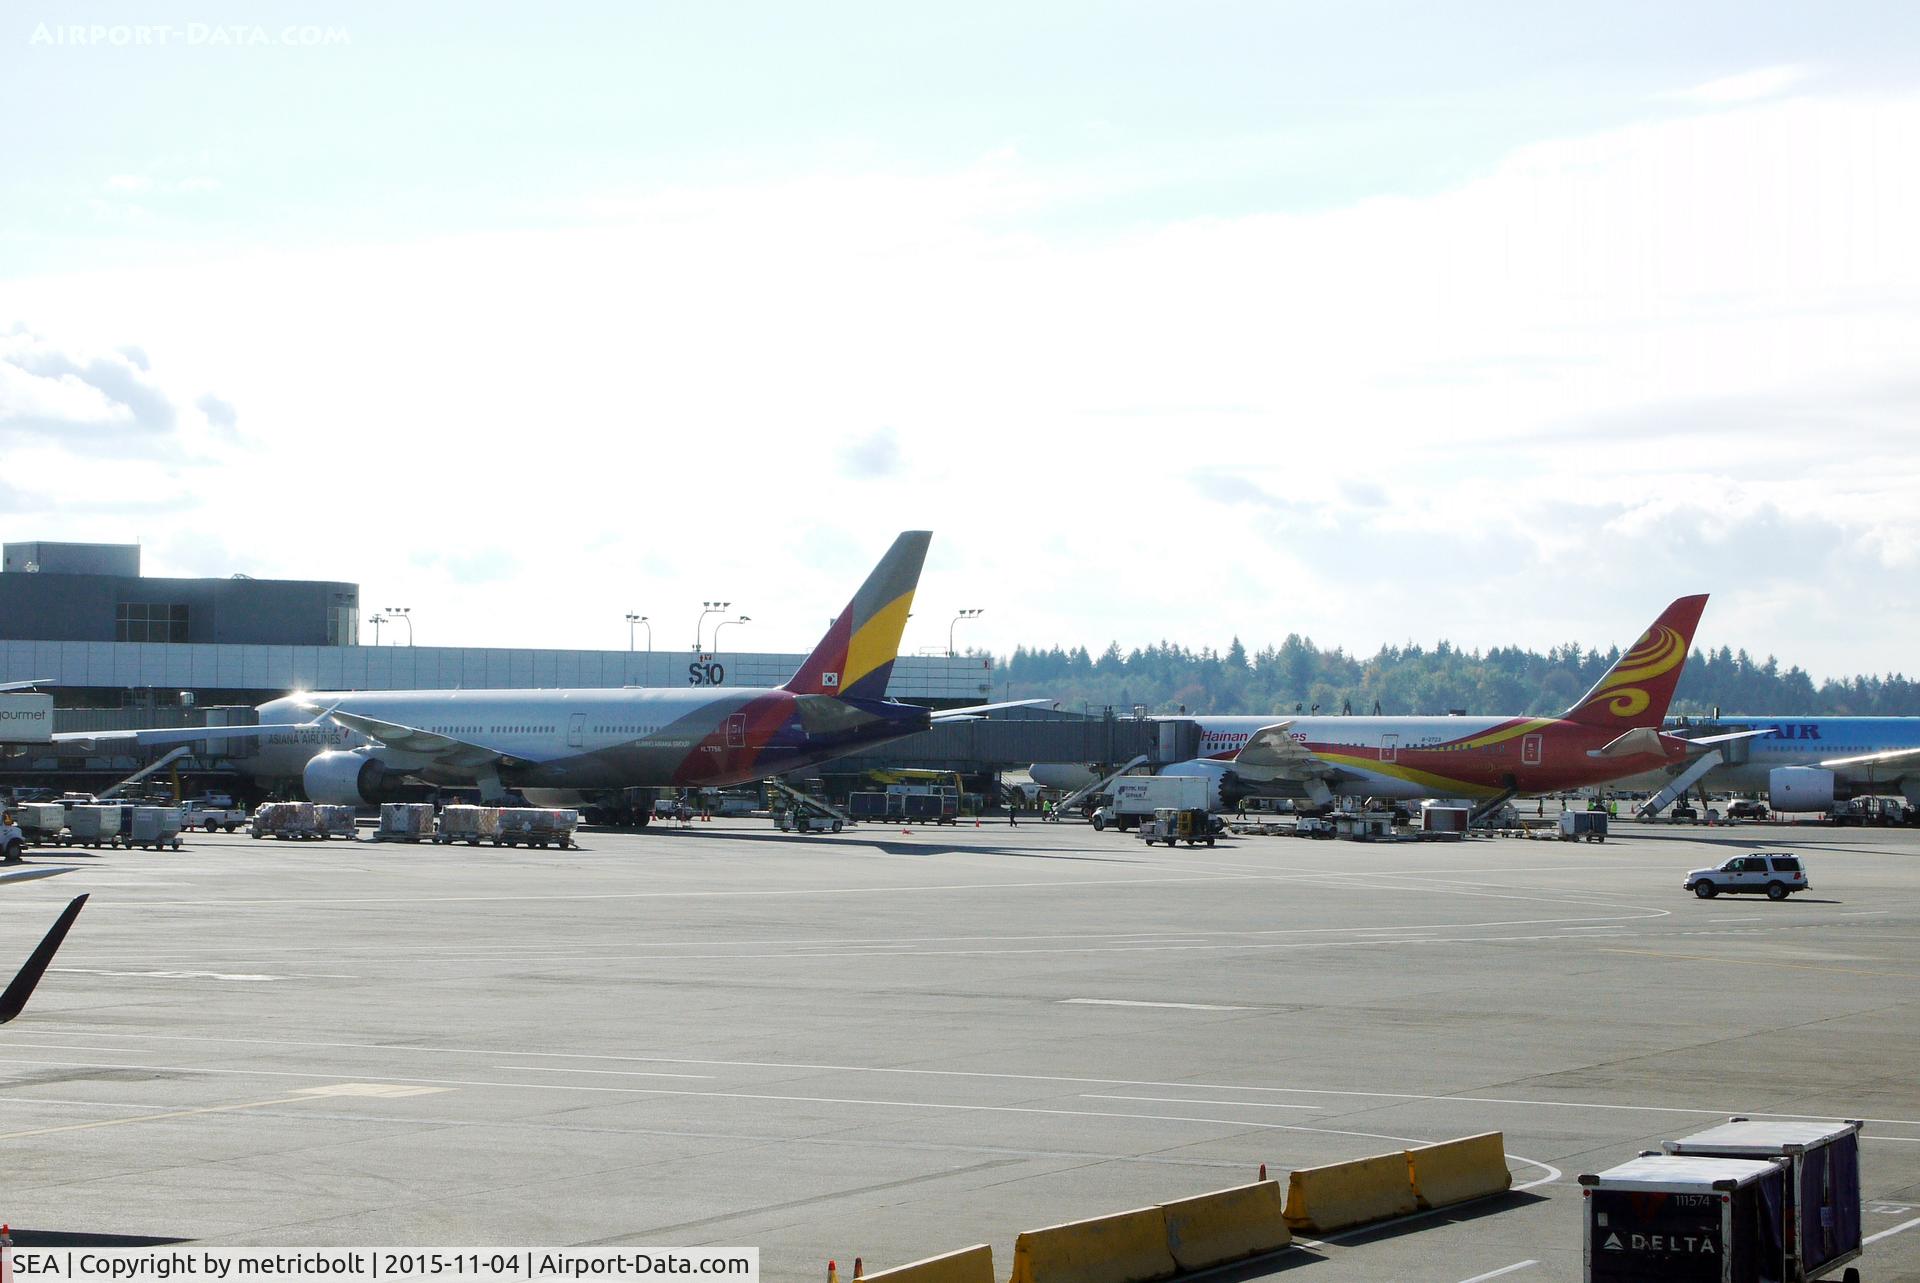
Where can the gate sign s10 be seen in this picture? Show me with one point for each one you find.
(26, 719)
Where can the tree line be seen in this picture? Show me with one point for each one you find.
(1412, 679)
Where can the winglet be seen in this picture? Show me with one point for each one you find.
(855, 658)
(1637, 689)
(14, 1000)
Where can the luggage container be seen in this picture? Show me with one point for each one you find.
(536, 826)
(1583, 826)
(869, 806)
(285, 821)
(1667, 1219)
(335, 821)
(94, 824)
(469, 824)
(405, 821)
(151, 827)
(1823, 1183)
(939, 808)
(1443, 821)
(40, 821)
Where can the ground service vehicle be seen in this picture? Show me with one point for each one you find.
(1135, 798)
(1171, 825)
(1745, 809)
(1583, 826)
(201, 815)
(1664, 1217)
(12, 841)
(1774, 875)
(1822, 1183)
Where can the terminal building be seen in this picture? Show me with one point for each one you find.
(119, 650)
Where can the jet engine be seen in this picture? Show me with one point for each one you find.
(1800, 788)
(349, 777)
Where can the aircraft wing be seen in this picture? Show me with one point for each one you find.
(1877, 759)
(1271, 748)
(444, 750)
(14, 1000)
(973, 711)
(169, 735)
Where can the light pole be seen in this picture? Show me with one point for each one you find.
(405, 615)
(712, 608)
(965, 614)
(633, 619)
(376, 619)
(744, 619)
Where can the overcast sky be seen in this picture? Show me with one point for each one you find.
(1503, 323)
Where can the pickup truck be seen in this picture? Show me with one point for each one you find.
(199, 815)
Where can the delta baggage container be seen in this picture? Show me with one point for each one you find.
(405, 821)
(335, 821)
(285, 821)
(469, 824)
(151, 827)
(94, 824)
(1823, 1183)
(536, 826)
(1662, 1218)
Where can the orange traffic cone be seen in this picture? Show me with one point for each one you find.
(833, 1273)
(1263, 1171)
(859, 1268)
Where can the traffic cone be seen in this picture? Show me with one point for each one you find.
(1263, 1171)
(859, 1268)
(833, 1273)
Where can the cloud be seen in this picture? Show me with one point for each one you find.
(1747, 86)
(873, 457)
(44, 389)
(220, 414)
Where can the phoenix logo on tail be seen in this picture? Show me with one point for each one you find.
(1638, 688)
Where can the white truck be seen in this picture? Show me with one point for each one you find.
(201, 815)
(1134, 798)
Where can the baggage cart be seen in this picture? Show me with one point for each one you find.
(335, 821)
(96, 824)
(536, 826)
(405, 822)
(40, 821)
(469, 824)
(1663, 1218)
(1823, 1183)
(1583, 826)
(285, 821)
(152, 827)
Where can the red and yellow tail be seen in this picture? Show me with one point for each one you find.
(1637, 689)
(855, 658)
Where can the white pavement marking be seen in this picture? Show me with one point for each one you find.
(191, 975)
(1184, 1100)
(1128, 1002)
(625, 1073)
(1494, 1274)
(1722, 1112)
(1904, 1225)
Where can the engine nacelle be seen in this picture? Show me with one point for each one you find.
(350, 777)
(1800, 788)
(1062, 775)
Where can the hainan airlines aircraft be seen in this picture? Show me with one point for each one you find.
(1613, 731)
(587, 747)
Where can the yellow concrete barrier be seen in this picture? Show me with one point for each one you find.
(968, 1265)
(1323, 1199)
(1454, 1171)
(1130, 1247)
(1226, 1225)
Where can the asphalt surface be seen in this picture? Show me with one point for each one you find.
(890, 1044)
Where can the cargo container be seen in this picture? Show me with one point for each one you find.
(1667, 1219)
(469, 824)
(335, 821)
(151, 827)
(1823, 1183)
(40, 821)
(1444, 820)
(285, 821)
(94, 824)
(870, 806)
(536, 826)
(1583, 826)
(405, 821)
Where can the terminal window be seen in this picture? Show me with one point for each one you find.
(139, 621)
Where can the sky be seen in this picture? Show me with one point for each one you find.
(1377, 323)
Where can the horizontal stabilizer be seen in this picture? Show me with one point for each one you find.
(1640, 740)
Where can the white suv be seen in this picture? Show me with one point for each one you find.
(1779, 876)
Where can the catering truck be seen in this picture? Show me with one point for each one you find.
(1133, 799)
